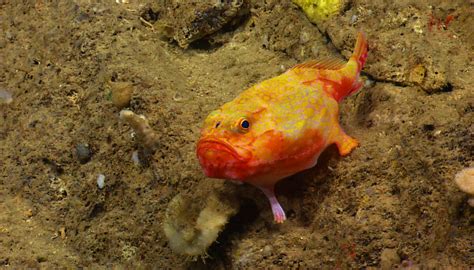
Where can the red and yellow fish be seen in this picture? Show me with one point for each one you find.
(280, 126)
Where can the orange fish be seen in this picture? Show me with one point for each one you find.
(280, 126)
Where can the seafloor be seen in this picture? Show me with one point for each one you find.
(391, 203)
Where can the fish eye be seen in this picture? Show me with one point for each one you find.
(244, 124)
(218, 124)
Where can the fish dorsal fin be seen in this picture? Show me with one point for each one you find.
(329, 63)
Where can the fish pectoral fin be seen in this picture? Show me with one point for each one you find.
(278, 212)
(329, 63)
(345, 144)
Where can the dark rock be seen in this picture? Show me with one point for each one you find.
(83, 152)
(188, 21)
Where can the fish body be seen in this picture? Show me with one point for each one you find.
(280, 126)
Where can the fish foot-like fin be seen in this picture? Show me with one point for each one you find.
(345, 144)
(278, 212)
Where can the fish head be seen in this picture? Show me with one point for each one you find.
(233, 141)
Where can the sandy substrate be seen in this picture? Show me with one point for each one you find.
(392, 202)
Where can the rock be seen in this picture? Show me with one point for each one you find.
(188, 21)
(267, 251)
(417, 74)
(83, 153)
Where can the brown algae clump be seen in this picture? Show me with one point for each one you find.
(121, 93)
(465, 181)
(190, 228)
(319, 10)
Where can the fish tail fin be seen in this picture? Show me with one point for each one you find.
(352, 69)
(360, 51)
(328, 66)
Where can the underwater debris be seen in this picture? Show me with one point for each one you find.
(465, 181)
(192, 228)
(319, 10)
(145, 134)
(440, 23)
(121, 93)
(189, 21)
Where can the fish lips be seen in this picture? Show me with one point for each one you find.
(220, 159)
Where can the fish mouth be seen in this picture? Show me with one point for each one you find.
(218, 158)
(214, 145)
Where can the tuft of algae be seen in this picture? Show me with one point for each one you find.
(319, 10)
(191, 226)
(465, 181)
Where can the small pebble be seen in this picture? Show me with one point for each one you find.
(101, 181)
(177, 97)
(304, 37)
(471, 202)
(62, 232)
(9, 35)
(135, 158)
(29, 213)
(353, 19)
(5, 96)
(82, 17)
(83, 152)
(265, 41)
(267, 251)
(369, 83)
